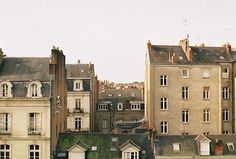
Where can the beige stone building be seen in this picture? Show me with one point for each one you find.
(32, 105)
(81, 97)
(189, 89)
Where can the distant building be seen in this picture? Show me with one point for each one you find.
(103, 146)
(190, 89)
(32, 105)
(195, 146)
(82, 97)
(118, 105)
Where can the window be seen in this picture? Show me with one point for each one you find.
(163, 80)
(225, 93)
(225, 132)
(205, 74)
(77, 123)
(206, 93)
(114, 139)
(206, 133)
(185, 116)
(135, 106)
(94, 148)
(164, 127)
(34, 152)
(77, 103)
(206, 115)
(78, 85)
(225, 115)
(5, 123)
(5, 89)
(102, 106)
(34, 123)
(130, 155)
(164, 103)
(230, 146)
(176, 147)
(185, 93)
(104, 124)
(4, 151)
(34, 89)
(120, 106)
(185, 73)
(225, 73)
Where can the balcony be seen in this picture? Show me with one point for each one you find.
(34, 131)
(5, 130)
(78, 110)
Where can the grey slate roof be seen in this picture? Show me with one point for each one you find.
(78, 70)
(188, 145)
(104, 144)
(24, 69)
(160, 54)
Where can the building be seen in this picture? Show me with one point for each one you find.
(190, 89)
(117, 107)
(32, 105)
(82, 97)
(104, 146)
(195, 146)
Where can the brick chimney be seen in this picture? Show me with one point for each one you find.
(174, 59)
(227, 46)
(149, 45)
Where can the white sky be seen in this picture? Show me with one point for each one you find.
(112, 34)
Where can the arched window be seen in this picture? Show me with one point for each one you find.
(34, 152)
(34, 89)
(120, 106)
(5, 151)
(5, 89)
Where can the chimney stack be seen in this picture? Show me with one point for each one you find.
(149, 45)
(174, 59)
(227, 46)
(1, 56)
(187, 50)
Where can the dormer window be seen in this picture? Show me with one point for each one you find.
(78, 85)
(5, 89)
(120, 106)
(34, 89)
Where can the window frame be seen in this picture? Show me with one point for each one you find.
(35, 151)
(78, 85)
(185, 73)
(185, 93)
(206, 116)
(34, 123)
(225, 115)
(206, 93)
(225, 93)
(164, 103)
(164, 127)
(34, 89)
(185, 116)
(6, 150)
(163, 80)
(6, 89)
(5, 123)
(78, 123)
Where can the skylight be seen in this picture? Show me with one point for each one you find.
(94, 148)
(230, 146)
(176, 147)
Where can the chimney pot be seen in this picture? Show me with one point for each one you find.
(149, 45)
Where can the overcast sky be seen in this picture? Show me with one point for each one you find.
(112, 34)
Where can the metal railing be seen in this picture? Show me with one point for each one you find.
(34, 130)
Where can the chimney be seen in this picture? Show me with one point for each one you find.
(187, 50)
(174, 59)
(78, 62)
(149, 45)
(1, 56)
(227, 46)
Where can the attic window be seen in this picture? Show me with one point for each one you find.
(205, 74)
(181, 57)
(114, 139)
(230, 146)
(113, 149)
(94, 148)
(176, 147)
(78, 85)
(143, 152)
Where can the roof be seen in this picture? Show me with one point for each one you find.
(79, 70)
(161, 54)
(107, 148)
(188, 145)
(25, 68)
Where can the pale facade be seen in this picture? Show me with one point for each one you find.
(188, 91)
(81, 96)
(31, 106)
